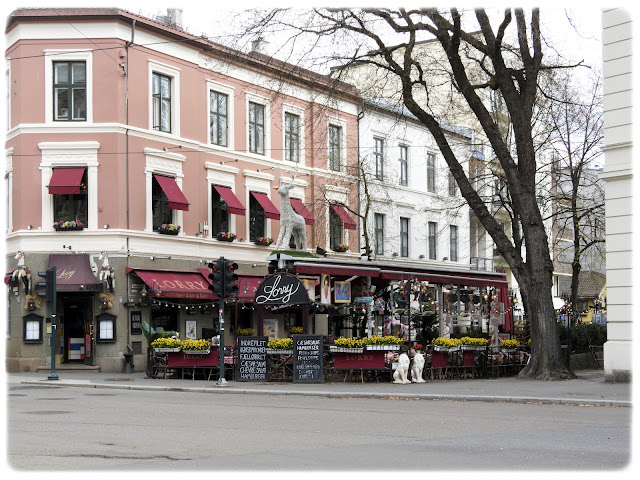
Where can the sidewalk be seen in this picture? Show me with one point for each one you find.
(588, 389)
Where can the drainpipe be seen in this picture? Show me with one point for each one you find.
(126, 156)
(358, 118)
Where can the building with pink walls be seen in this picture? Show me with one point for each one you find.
(121, 124)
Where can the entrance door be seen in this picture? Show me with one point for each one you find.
(78, 315)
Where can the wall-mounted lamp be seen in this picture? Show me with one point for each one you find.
(444, 259)
(31, 304)
(395, 254)
(66, 246)
(421, 256)
(29, 227)
(106, 226)
(104, 303)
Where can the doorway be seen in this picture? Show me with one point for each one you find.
(78, 329)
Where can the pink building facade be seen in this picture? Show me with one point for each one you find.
(127, 128)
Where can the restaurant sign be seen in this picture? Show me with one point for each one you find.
(281, 289)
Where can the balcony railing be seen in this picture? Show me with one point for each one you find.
(482, 264)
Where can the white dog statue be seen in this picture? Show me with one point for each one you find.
(417, 368)
(400, 375)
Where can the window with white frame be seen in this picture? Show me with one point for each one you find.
(256, 128)
(106, 324)
(292, 137)
(162, 214)
(336, 229)
(161, 209)
(164, 98)
(218, 118)
(404, 237)
(68, 85)
(32, 332)
(404, 165)
(453, 243)
(432, 233)
(453, 186)
(72, 207)
(431, 172)
(379, 233)
(378, 156)
(335, 147)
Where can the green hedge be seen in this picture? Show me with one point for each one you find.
(580, 336)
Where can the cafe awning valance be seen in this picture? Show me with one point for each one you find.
(175, 284)
(270, 210)
(177, 200)
(472, 281)
(66, 181)
(73, 273)
(233, 204)
(300, 209)
(344, 270)
(349, 224)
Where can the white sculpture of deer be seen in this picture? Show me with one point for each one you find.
(291, 223)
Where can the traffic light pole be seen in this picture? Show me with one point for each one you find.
(221, 379)
(53, 375)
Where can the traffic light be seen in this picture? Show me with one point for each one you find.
(217, 277)
(48, 286)
(230, 277)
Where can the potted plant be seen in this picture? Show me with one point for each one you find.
(226, 236)
(169, 229)
(245, 332)
(469, 343)
(295, 330)
(166, 345)
(343, 247)
(377, 342)
(68, 225)
(265, 241)
(510, 346)
(196, 347)
(442, 344)
(347, 345)
(280, 346)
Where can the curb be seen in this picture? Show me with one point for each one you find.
(389, 395)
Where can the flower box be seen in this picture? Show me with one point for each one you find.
(383, 347)
(226, 236)
(341, 248)
(509, 350)
(197, 352)
(167, 350)
(263, 241)
(334, 349)
(474, 348)
(169, 229)
(438, 348)
(278, 351)
(68, 226)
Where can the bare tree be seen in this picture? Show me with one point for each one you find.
(478, 62)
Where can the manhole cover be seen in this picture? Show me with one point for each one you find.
(118, 379)
(46, 412)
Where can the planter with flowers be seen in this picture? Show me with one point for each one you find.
(418, 348)
(245, 332)
(166, 345)
(68, 226)
(474, 344)
(377, 342)
(169, 229)
(347, 345)
(196, 347)
(295, 330)
(442, 344)
(343, 247)
(280, 346)
(226, 236)
(510, 346)
(264, 241)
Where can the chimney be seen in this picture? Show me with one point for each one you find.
(175, 16)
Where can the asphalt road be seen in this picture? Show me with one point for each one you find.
(52, 428)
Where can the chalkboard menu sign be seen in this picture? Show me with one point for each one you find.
(252, 359)
(307, 358)
(136, 320)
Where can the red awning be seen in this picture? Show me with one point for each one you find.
(7, 277)
(344, 270)
(73, 273)
(471, 281)
(247, 287)
(172, 284)
(66, 181)
(300, 209)
(270, 210)
(233, 204)
(177, 200)
(349, 224)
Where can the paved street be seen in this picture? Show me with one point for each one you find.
(70, 428)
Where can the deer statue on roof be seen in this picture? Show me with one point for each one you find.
(291, 223)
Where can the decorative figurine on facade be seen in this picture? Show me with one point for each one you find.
(106, 272)
(400, 375)
(416, 368)
(291, 223)
(22, 273)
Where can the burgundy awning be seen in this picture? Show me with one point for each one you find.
(66, 181)
(247, 287)
(344, 270)
(7, 277)
(475, 281)
(175, 284)
(73, 273)
(233, 204)
(177, 200)
(270, 210)
(349, 224)
(300, 209)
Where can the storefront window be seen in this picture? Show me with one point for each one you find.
(165, 318)
(106, 327)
